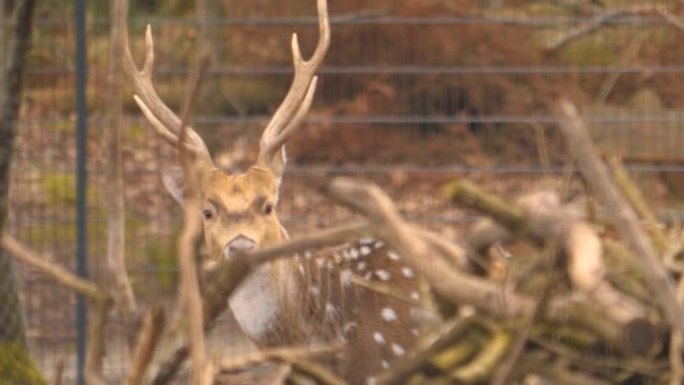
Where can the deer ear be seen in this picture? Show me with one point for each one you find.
(174, 181)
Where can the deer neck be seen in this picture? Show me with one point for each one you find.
(266, 301)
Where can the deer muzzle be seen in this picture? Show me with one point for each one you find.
(238, 244)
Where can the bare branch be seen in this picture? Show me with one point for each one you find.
(240, 363)
(116, 261)
(602, 20)
(97, 320)
(636, 199)
(190, 298)
(58, 273)
(625, 219)
(148, 336)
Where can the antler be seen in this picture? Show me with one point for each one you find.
(298, 100)
(167, 124)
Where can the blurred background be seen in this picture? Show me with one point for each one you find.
(411, 94)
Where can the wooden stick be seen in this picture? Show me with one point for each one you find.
(636, 199)
(190, 298)
(97, 320)
(242, 362)
(602, 20)
(58, 375)
(594, 170)
(472, 196)
(122, 291)
(450, 330)
(63, 276)
(148, 337)
(503, 371)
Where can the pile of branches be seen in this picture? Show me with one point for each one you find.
(584, 299)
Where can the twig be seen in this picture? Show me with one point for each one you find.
(594, 361)
(676, 367)
(58, 375)
(317, 240)
(10, 99)
(611, 79)
(259, 358)
(504, 370)
(319, 373)
(95, 350)
(148, 336)
(636, 199)
(471, 195)
(404, 368)
(55, 271)
(624, 218)
(485, 360)
(676, 345)
(190, 296)
(122, 290)
(283, 372)
(670, 18)
(599, 21)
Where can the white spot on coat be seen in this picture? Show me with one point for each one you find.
(308, 254)
(347, 328)
(379, 338)
(345, 277)
(365, 250)
(385, 364)
(388, 314)
(361, 266)
(398, 350)
(393, 255)
(330, 310)
(383, 274)
(415, 295)
(407, 272)
(354, 253)
(315, 290)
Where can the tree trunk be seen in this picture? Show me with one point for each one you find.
(16, 366)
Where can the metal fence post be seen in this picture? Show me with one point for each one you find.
(81, 175)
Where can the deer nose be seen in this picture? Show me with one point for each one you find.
(238, 244)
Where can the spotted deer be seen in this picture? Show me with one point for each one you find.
(328, 296)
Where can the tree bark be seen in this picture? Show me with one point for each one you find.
(16, 366)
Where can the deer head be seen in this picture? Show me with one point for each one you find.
(238, 210)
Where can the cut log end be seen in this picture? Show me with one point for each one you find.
(640, 336)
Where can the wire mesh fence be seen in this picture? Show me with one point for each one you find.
(410, 95)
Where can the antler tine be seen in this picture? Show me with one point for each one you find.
(157, 113)
(300, 95)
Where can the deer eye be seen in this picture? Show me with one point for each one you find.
(207, 214)
(268, 208)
